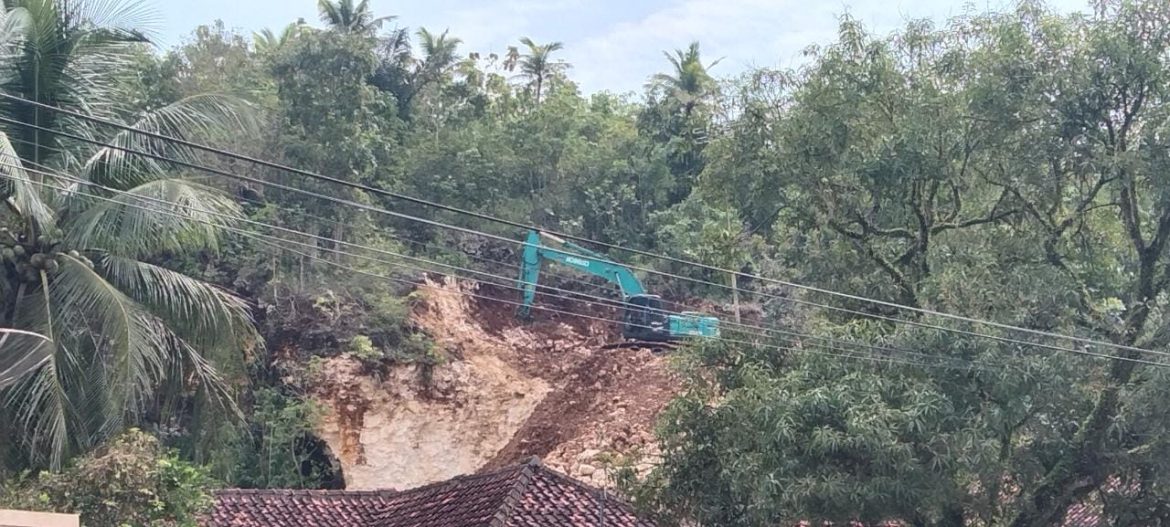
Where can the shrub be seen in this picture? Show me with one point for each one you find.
(131, 481)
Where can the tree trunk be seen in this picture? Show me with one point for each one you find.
(1084, 468)
(338, 238)
(735, 294)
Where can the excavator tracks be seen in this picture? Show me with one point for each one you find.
(654, 347)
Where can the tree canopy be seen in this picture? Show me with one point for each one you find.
(1006, 166)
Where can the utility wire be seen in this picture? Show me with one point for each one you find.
(507, 264)
(967, 365)
(408, 217)
(508, 282)
(487, 217)
(471, 231)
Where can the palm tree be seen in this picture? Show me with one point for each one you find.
(344, 15)
(267, 42)
(511, 58)
(400, 73)
(537, 65)
(439, 53)
(119, 330)
(689, 83)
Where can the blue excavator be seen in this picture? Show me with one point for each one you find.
(645, 322)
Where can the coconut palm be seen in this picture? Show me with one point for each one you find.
(20, 353)
(689, 83)
(119, 329)
(438, 57)
(537, 65)
(439, 53)
(344, 15)
(267, 42)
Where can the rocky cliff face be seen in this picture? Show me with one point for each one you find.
(505, 390)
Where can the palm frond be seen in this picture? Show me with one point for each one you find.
(21, 354)
(12, 26)
(266, 41)
(196, 117)
(330, 12)
(135, 342)
(128, 18)
(43, 411)
(161, 215)
(210, 319)
(21, 192)
(65, 61)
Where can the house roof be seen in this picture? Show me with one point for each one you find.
(525, 495)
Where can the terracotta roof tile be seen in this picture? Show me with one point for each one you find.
(527, 495)
(295, 508)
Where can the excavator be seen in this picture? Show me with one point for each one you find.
(645, 322)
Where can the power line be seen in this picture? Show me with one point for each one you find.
(661, 273)
(508, 282)
(487, 217)
(261, 237)
(622, 304)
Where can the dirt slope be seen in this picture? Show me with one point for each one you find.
(508, 390)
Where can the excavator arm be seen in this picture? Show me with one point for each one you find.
(572, 255)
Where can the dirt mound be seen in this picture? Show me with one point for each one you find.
(508, 390)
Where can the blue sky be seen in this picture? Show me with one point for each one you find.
(612, 44)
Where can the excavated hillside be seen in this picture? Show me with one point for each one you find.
(506, 389)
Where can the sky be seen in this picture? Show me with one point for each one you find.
(612, 45)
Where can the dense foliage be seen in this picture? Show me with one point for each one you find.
(1006, 166)
(132, 480)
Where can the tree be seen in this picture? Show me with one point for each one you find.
(689, 84)
(132, 481)
(75, 267)
(438, 53)
(401, 73)
(353, 136)
(677, 116)
(537, 65)
(348, 17)
(266, 42)
(1004, 167)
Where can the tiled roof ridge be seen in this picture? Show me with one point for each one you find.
(514, 495)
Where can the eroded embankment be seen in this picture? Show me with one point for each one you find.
(505, 390)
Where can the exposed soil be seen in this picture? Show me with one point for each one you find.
(508, 390)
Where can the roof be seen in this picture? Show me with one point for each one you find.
(300, 508)
(525, 495)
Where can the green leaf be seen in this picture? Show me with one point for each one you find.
(161, 215)
(22, 193)
(21, 354)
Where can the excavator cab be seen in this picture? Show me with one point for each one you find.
(645, 319)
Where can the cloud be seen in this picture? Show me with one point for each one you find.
(491, 25)
(746, 33)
